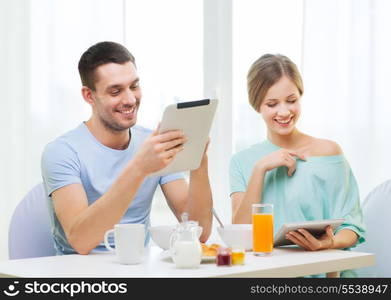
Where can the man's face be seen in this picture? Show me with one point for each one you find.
(117, 95)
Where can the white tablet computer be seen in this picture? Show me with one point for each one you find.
(195, 120)
(316, 228)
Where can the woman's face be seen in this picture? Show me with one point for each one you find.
(281, 107)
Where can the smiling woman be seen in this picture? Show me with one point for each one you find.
(275, 91)
(281, 108)
(304, 177)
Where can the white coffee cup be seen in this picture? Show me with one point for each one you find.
(129, 242)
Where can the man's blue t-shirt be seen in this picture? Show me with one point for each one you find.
(78, 157)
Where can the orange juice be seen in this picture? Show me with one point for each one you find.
(262, 233)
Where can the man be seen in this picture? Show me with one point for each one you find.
(97, 175)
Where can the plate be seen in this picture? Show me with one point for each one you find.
(204, 258)
(208, 258)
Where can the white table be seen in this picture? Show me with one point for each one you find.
(291, 262)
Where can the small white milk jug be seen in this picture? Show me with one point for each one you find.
(185, 246)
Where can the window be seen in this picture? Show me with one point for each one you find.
(167, 42)
(260, 27)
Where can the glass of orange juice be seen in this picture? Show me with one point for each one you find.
(262, 218)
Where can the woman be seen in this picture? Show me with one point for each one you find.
(304, 177)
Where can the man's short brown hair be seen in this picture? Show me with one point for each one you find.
(100, 54)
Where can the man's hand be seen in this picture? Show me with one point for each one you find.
(306, 240)
(158, 150)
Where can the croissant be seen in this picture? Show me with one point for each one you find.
(210, 250)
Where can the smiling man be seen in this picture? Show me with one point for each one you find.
(98, 174)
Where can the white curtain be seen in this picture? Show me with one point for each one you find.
(347, 68)
(260, 27)
(41, 42)
(14, 114)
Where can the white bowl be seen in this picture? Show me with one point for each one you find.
(161, 234)
(237, 235)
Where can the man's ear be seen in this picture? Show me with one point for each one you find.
(87, 95)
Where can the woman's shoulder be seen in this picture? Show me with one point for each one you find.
(255, 151)
(324, 147)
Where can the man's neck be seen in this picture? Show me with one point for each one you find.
(118, 140)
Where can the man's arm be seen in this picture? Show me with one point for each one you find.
(194, 198)
(85, 225)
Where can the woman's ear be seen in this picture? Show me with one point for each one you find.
(87, 95)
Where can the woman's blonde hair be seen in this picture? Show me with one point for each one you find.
(265, 72)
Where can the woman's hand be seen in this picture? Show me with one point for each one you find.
(306, 240)
(282, 157)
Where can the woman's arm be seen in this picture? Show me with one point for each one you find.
(344, 239)
(241, 202)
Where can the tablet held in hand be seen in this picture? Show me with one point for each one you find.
(194, 119)
(316, 228)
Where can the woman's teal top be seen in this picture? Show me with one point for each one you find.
(322, 187)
